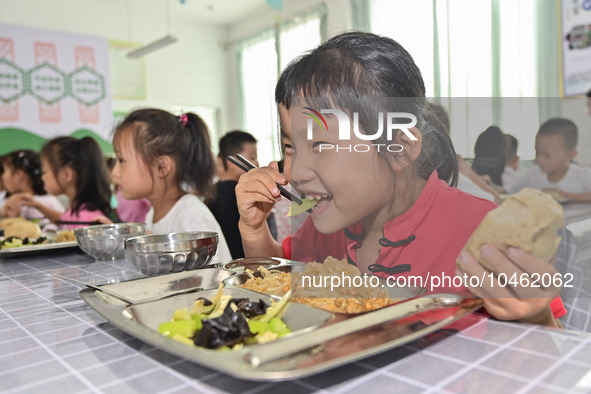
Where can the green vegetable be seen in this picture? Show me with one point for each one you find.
(275, 309)
(181, 314)
(296, 209)
(184, 328)
(278, 327)
(198, 319)
(257, 327)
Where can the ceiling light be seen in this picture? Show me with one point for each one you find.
(153, 46)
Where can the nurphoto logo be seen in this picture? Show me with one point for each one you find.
(344, 123)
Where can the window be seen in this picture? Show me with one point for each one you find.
(260, 60)
(467, 57)
(258, 74)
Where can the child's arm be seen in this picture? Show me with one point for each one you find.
(465, 169)
(523, 299)
(571, 197)
(11, 208)
(49, 213)
(256, 194)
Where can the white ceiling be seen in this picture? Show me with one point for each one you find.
(220, 12)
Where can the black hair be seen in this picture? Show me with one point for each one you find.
(85, 158)
(184, 138)
(232, 143)
(111, 162)
(30, 163)
(489, 154)
(589, 93)
(511, 145)
(439, 112)
(562, 127)
(353, 67)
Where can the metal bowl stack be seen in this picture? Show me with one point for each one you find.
(163, 253)
(107, 241)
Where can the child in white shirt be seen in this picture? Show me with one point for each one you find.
(556, 146)
(165, 158)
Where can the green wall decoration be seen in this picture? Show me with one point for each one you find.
(13, 139)
(49, 85)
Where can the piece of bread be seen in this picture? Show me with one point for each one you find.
(22, 229)
(527, 220)
(9, 221)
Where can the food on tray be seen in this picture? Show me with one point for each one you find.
(8, 221)
(296, 209)
(343, 299)
(527, 220)
(226, 323)
(19, 227)
(65, 236)
(21, 232)
(270, 282)
(15, 242)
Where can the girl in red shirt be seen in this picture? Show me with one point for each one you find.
(384, 199)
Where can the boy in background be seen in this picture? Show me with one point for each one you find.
(554, 172)
(224, 207)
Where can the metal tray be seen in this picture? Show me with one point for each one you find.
(408, 321)
(139, 290)
(32, 249)
(396, 293)
(253, 263)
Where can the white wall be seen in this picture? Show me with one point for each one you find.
(338, 20)
(191, 71)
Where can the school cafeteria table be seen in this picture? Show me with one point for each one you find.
(52, 342)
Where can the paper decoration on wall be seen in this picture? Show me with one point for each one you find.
(576, 46)
(49, 84)
(53, 83)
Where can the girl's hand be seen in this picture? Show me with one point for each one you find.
(256, 194)
(102, 219)
(515, 290)
(12, 206)
(556, 192)
(26, 199)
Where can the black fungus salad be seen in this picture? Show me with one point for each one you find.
(226, 322)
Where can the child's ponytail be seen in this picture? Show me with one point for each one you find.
(200, 166)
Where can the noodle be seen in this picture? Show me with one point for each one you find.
(65, 236)
(340, 300)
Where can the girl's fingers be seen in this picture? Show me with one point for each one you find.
(480, 281)
(525, 274)
(261, 180)
(255, 190)
(518, 275)
(529, 263)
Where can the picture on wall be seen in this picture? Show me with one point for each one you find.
(52, 84)
(576, 46)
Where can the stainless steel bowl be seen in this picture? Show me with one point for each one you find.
(107, 241)
(163, 253)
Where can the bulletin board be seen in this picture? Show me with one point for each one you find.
(128, 76)
(576, 46)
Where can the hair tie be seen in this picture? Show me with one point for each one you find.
(183, 119)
